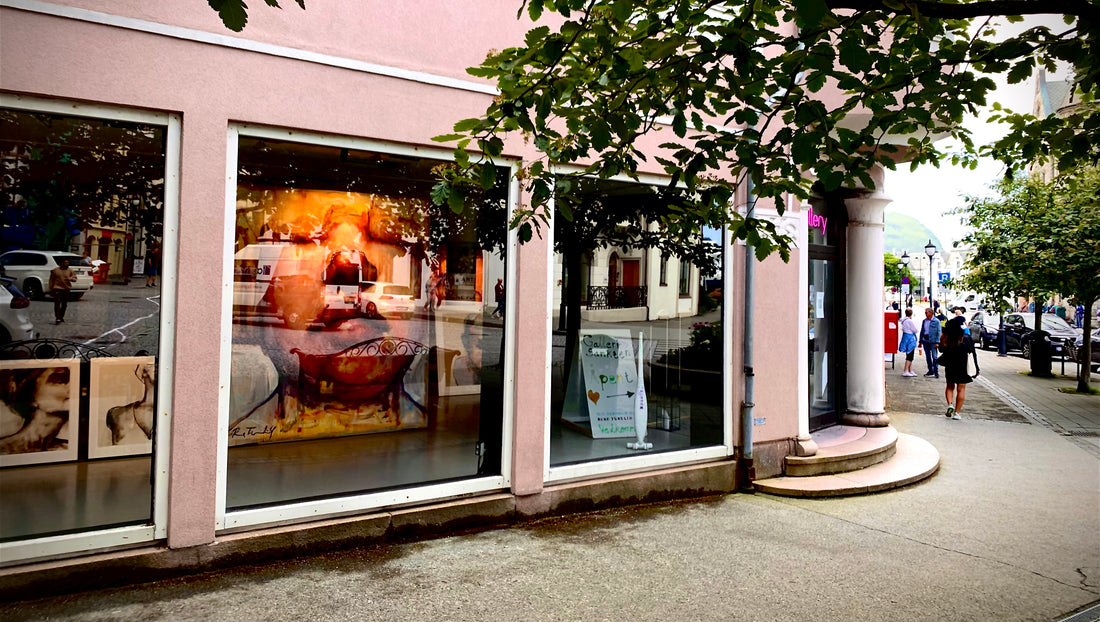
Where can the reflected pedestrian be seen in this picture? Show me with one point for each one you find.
(498, 293)
(61, 283)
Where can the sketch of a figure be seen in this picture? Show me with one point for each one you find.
(137, 416)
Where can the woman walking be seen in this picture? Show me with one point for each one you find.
(955, 346)
(908, 343)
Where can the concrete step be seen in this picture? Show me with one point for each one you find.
(844, 448)
(914, 459)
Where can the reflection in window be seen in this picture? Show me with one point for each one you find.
(365, 353)
(69, 328)
(632, 364)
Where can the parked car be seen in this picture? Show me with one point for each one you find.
(1019, 328)
(379, 298)
(984, 328)
(1078, 350)
(15, 322)
(31, 271)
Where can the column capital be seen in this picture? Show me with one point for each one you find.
(868, 211)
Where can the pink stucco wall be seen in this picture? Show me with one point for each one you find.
(211, 86)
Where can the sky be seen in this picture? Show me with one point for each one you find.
(929, 193)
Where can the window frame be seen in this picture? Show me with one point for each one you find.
(302, 511)
(66, 545)
(627, 464)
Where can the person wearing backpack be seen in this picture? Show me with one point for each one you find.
(955, 347)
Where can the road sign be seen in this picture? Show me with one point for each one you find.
(944, 277)
(904, 280)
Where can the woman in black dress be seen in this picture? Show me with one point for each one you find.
(955, 346)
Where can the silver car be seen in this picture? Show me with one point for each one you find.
(31, 271)
(15, 322)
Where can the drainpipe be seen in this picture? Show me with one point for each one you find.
(746, 473)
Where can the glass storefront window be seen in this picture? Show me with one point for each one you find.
(83, 203)
(636, 367)
(368, 339)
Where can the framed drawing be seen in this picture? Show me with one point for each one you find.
(39, 411)
(459, 352)
(121, 406)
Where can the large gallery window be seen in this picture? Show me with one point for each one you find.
(82, 207)
(636, 370)
(367, 341)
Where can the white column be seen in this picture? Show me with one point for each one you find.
(866, 373)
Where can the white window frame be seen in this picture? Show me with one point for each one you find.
(645, 461)
(48, 547)
(297, 512)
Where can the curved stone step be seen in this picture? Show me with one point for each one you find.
(914, 459)
(868, 446)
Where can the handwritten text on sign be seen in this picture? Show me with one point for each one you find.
(611, 381)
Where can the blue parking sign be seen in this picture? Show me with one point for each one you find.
(944, 277)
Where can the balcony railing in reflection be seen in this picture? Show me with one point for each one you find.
(607, 297)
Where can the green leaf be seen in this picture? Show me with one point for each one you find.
(810, 12)
(524, 233)
(232, 13)
(679, 124)
(467, 125)
(488, 176)
(446, 138)
(440, 191)
(456, 201)
(535, 35)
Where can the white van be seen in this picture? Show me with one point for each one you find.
(968, 300)
(301, 283)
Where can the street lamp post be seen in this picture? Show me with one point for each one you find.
(901, 294)
(930, 249)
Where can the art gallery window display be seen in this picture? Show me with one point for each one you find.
(80, 337)
(367, 341)
(638, 361)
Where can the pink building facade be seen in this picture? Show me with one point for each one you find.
(327, 347)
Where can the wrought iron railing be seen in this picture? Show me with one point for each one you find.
(610, 297)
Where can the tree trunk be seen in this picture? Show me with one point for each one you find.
(1040, 355)
(1084, 372)
(572, 303)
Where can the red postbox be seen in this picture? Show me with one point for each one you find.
(891, 323)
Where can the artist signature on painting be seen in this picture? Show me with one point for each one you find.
(252, 432)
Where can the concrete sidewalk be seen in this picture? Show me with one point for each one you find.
(1009, 529)
(1005, 392)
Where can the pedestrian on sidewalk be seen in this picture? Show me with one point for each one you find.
(908, 343)
(955, 346)
(930, 333)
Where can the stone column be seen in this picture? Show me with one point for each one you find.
(866, 374)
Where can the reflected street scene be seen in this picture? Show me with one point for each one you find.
(365, 351)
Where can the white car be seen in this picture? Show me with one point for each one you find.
(31, 271)
(378, 298)
(15, 322)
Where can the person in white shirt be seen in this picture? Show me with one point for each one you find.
(908, 343)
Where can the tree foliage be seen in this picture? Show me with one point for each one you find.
(1036, 239)
(66, 173)
(894, 271)
(736, 90)
(234, 13)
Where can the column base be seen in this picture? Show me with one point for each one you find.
(805, 446)
(865, 420)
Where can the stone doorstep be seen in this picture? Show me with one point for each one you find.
(873, 446)
(915, 459)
